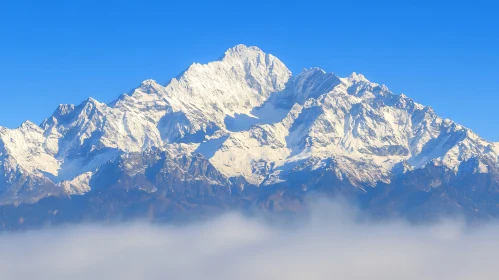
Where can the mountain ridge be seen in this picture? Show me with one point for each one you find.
(250, 123)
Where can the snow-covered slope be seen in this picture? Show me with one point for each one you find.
(251, 119)
(368, 130)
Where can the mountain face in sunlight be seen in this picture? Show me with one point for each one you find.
(243, 132)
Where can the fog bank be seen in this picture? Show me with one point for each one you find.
(331, 244)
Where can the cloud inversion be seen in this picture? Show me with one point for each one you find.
(326, 246)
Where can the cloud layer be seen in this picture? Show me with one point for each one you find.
(328, 245)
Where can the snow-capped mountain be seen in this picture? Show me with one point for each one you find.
(243, 124)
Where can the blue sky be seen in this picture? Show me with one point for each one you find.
(443, 54)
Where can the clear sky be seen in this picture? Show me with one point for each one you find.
(443, 54)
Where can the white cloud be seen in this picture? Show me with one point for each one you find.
(325, 246)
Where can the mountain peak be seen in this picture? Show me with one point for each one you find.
(29, 125)
(357, 77)
(148, 82)
(250, 55)
(244, 75)
(64, 109)
(92, 100)
(148, 86)
(242, 49)
(312, 70)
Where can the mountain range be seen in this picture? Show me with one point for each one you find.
(243, 132)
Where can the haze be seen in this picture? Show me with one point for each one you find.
(330, 244)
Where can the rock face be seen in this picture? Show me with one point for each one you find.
(242, 132)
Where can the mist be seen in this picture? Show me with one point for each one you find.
(331, 243)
